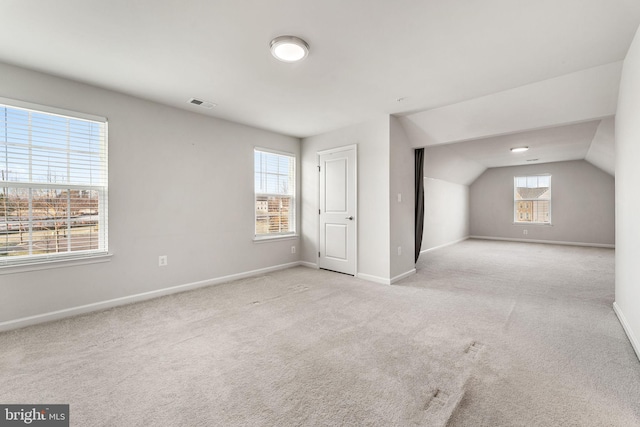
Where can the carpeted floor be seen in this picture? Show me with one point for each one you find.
(555, 353)
(486, 334)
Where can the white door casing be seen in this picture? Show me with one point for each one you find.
(337, 209)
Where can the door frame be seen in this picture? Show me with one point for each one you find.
(353, 147)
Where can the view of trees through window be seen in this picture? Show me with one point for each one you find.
(532, 199)
(40, 221)
(274, 183)
(52, 184)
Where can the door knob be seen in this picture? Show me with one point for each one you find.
(350, 218)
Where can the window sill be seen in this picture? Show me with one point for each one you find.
(275, 238)
(526, 224)
(54, 263)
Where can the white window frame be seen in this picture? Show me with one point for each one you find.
(31, 261)
(290, 194)
(516, 220)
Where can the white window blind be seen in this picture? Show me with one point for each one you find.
(532, 199)
(53, 184)
(274, 184)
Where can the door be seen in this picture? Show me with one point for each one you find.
(338, 220)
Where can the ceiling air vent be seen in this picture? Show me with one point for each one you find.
(201, 103)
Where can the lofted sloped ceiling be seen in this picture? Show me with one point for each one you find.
(559, 119)
(562, 143)
(602, 150)
(576, 97)
(463, 162)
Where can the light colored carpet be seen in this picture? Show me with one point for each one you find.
(487, 333)
(555, 353)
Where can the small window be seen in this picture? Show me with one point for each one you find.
(53, 184)
(274, 186)
(532, 199)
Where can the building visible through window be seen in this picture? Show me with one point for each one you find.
(274, 183)
(532, 199)
(53, 184)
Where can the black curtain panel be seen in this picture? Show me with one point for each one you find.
(419, 217)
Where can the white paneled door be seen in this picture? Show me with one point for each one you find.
(338, 210)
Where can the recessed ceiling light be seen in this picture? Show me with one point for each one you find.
(289, 48)
(519, 149)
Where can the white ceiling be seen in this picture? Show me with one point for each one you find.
(465, 161)
(545, 145)
(364, 54)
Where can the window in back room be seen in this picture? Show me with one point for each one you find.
(532, 199)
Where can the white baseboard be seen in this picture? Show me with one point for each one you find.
(384, 281)
(374, 279)
(627, 329)
(549, 242)
(403, 276)
(445, 245)
(309, 264)
(103, 305)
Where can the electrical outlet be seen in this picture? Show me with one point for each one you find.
(525, 231)
(399, 250)
(162, 260)
(293, 249)
(399, 197)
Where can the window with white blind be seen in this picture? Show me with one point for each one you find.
(275, 189)
(532, 199)
(53, 184)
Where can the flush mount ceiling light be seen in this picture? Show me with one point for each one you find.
(519, 149)
(289, 48)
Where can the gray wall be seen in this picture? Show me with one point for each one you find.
(446, 213)
(582, 206)
(627, 303)
(180, 184)
(385, 169)
(372, 139)
(402, 182)
(447, 176)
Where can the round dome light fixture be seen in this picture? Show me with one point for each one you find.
(289, 48)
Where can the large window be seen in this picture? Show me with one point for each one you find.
(53, 184)
(532, 199)
(274, 183)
